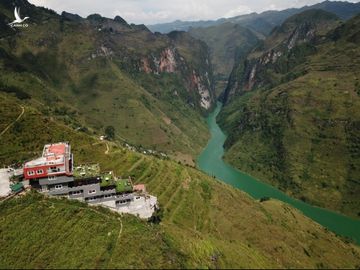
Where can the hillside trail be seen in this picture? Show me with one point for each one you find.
(17, 119)
(107, 146)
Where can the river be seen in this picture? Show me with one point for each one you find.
(210, 161)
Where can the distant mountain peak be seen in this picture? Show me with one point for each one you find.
(71, 16)
(120, 20)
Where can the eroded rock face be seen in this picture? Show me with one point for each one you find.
(102, 51)
(304, 33)
(167, 61)
(273, 62)
(254, 73)
(170, 61)
(205, 98)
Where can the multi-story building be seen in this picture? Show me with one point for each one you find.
(54, 174)
(56, 160)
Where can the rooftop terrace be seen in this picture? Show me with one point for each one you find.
(123, 185)
(86, 171)
(53, 154)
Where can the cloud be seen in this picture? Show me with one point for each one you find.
(239, 10)
(159, 11)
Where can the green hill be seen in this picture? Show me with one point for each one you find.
(104, 72)
(205, 223)
(294, 121)
(66, 78)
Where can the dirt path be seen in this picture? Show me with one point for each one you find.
(17, 119)
(107, 148)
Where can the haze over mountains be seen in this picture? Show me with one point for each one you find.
(290, 84)
(230, 39)
(263, 22)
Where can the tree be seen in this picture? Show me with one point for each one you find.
(110, 132)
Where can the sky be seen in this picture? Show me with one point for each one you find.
(160, 11)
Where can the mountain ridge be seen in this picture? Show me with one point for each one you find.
(295, 125)
(271, 18)
(83, 65)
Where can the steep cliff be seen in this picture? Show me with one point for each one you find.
(275, 60)
(108, 72)
(294, 119)
(227, 42)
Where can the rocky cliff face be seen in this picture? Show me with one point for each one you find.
(109, 72)
(197, 81)
(272, 62)
(154, 54)
(296, 129)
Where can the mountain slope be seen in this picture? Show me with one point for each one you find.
(296, 125)
(275, 59)
(226, 42)
(103, 71)
(205, 222)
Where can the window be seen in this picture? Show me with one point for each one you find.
(121, 202)
(108, 196)
(39, 172)
(51, 177)
(58, 186)
(91, 199)
(76, 192)
(138, 197)
(91, 191)
(31, 173)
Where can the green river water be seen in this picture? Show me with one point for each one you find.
(210, 161)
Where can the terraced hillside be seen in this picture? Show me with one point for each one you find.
(298, 127)
(104, 72)
(205, 223)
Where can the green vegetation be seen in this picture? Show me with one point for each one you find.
(227, 42)
(99, 79)
(78, 80)
(110, 132)
(38, 232)
(302, 135)
(83, 171)
(107, 179)
(262, 23)
(123, 185)
(198, 226)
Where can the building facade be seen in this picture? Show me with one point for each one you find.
(54, 174)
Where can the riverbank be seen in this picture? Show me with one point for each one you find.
(210, 161)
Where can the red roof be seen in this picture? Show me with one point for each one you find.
(140, 187)
(57, 149)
